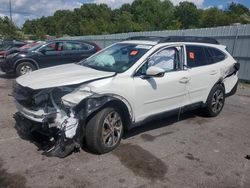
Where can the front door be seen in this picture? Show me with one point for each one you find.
(154, 95)
(51, 55)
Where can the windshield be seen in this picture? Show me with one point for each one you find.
(117, 58)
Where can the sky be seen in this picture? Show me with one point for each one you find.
(31, 9)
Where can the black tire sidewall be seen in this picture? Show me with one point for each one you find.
(94, 131)
(209, 110)
(19, 66)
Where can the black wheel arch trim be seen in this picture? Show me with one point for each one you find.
(91, 105)
(26, 59)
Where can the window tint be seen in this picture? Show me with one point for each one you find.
(214, 55)
(54, 46)
(87, 47)
(78, 46)
(73, 46)
(196, 56)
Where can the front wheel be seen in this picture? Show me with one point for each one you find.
(215, 101)
(24, 68)
(104, 131)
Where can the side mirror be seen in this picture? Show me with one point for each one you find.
(43, 51)
(155, 71)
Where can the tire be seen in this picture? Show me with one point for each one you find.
(24, 68)
(215, 101)
(101, 135)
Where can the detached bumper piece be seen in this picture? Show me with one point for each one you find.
(56, 144)
(63, 148)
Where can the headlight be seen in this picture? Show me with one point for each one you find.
(84, 88)
(77, 96)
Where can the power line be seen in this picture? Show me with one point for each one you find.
(18, 12)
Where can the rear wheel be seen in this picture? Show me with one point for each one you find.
(104, 131)
(24, 68)
(215, 101)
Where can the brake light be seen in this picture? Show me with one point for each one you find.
(97, 48)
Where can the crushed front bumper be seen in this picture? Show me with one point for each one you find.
(55, 124)
(39, 116)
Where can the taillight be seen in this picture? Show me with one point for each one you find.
(97, 48)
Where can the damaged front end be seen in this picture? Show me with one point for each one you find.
(43, 111)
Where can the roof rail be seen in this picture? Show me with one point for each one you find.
(189, 39)
(161, 39)
(150, 38)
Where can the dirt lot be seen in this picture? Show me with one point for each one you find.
(192, 152)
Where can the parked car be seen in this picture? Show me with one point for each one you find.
(52, 53)
(7, 45)
(121, 87)
(23, 48)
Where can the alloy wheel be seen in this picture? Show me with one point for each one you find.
(217, 101)
(112, 129)
(26, 69)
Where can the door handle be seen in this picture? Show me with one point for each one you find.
(213, 72)
(184, 80)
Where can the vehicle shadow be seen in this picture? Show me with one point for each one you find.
(159, 123)
(44, 142)
(7, 76)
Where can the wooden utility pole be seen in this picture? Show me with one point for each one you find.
(10, 10)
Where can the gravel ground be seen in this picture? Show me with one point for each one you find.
(192, 152)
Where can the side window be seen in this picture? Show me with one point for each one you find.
(196, 56)
(76, 46)
(167, 59)
(214, 55)
(72, 46)
(54, 46)
(87, 47)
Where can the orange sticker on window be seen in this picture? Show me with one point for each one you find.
(134, 52)
(191, 55)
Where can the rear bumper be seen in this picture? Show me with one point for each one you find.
(233, 91)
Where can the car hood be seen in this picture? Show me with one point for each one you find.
(62, 75)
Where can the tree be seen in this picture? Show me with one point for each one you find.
(188, 14)
(213, 17)
(238, 13)
(8, 30)
(153, 14)
(141, 15)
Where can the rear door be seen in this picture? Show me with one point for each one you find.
(76, 51)
(203, 74)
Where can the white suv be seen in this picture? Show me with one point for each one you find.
(123, 86)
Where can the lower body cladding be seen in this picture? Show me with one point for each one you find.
(63, 126)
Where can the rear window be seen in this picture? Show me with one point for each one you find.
(215, 55)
